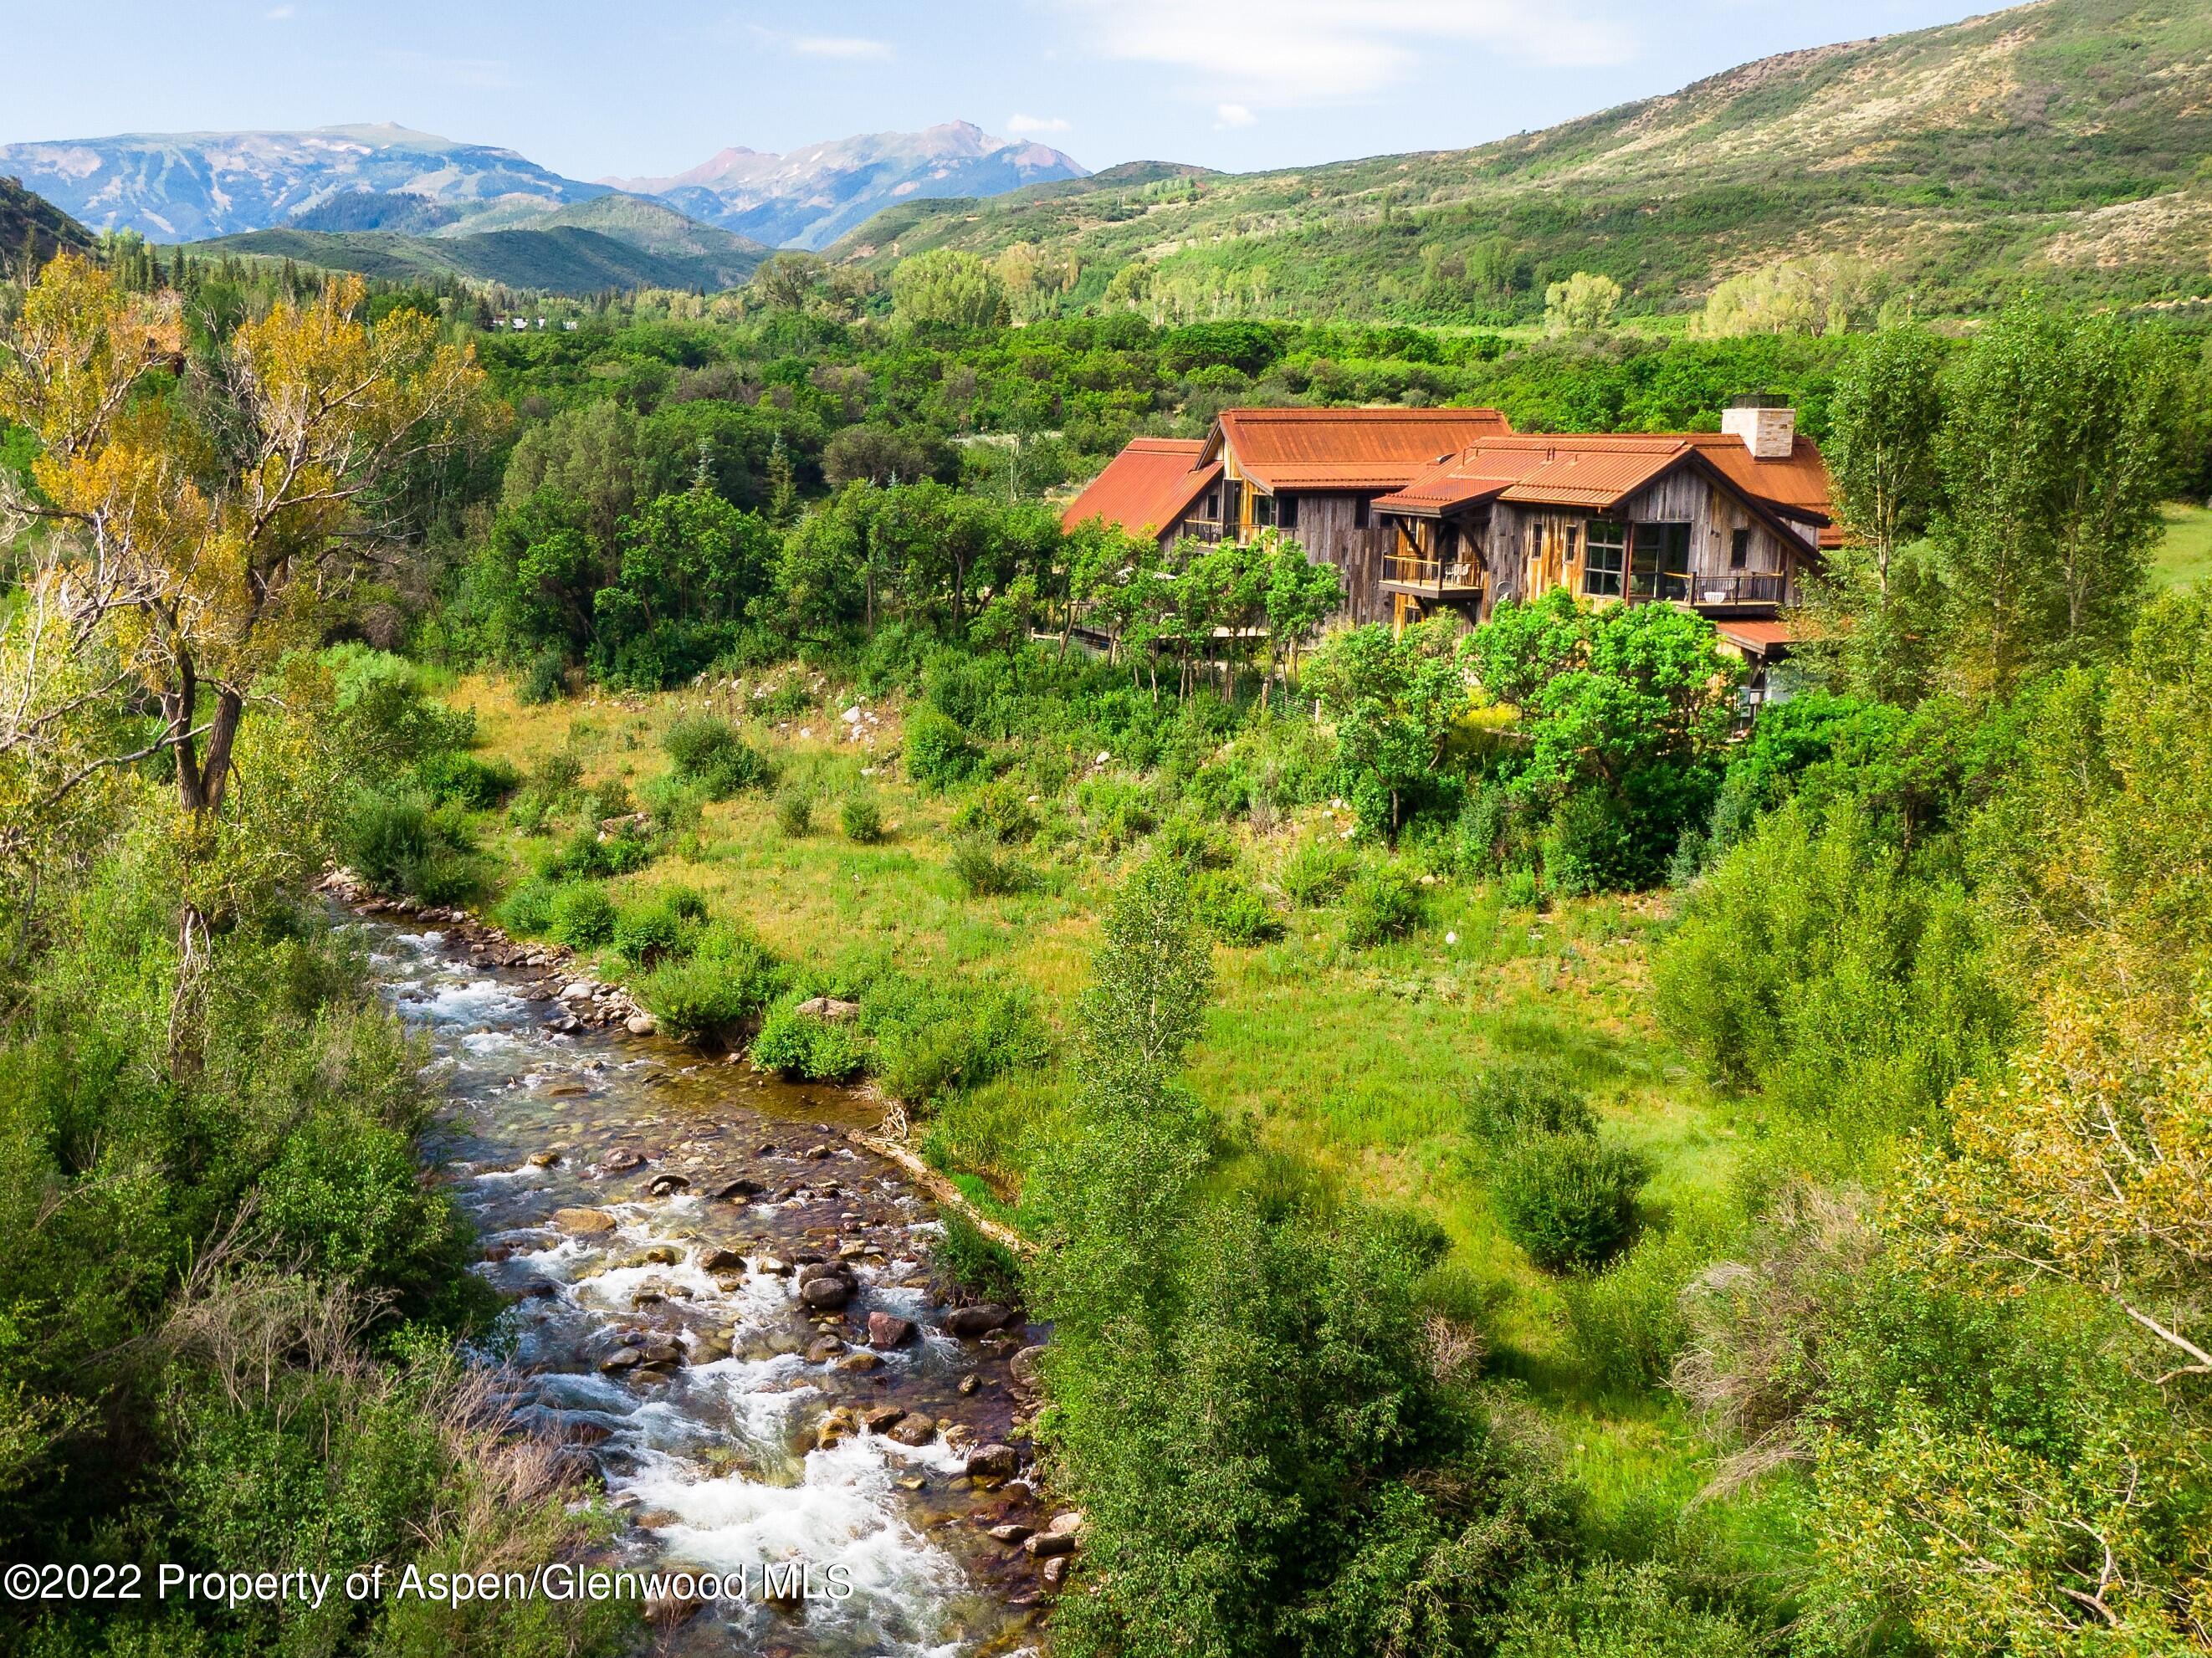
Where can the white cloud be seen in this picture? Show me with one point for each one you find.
(840, 46)
(1018, 123)
(1226, 115)
(280, 14)
(1288, 53)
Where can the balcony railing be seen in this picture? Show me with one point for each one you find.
(1743, 587)
(1434, 574)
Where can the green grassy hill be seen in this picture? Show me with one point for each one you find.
(586, 247)
(24, 214)
(2062, 145)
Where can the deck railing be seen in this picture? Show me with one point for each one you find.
(1743, 587)
(1438, 575)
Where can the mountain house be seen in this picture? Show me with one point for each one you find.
(1432, 510)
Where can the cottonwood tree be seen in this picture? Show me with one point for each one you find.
(1881, 448)
(197, 517)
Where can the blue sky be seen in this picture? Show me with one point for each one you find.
(647, 89)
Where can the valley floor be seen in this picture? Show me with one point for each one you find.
(1353, 1062)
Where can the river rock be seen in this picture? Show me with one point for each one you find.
(1055, 1570)
(1047, 1543)
(971, 1321)
(1011, 1534)
(1024, 1364)
(834, 1427)
(773, 1267)
(660, 1354)
(659, 1254)
(995, 1462)
(828, 1293)
(622, 1160)
(622, 1358)
(888, 1330)
(823, 1348)
(829, 1008)
(737, 1188)
(861, 1361)
(883, 1418)
(914, 1428)
(544, 1159)
(640, 1024)
(576, 990)
(583, 1220)
(721, 1260)
(1069, 1522)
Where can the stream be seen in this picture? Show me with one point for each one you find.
(655, 1212)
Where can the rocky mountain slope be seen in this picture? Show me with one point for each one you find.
(174, 187)
(2061, 144)
(27, 217)
(810, 197)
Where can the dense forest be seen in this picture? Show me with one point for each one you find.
(1515, 1162)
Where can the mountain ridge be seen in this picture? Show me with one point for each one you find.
(2053, 144)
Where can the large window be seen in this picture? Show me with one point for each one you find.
(1740, 549)
(1359, 511)
(1605, 553)
(1659, 561)
(1263, 510)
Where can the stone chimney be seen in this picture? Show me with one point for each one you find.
(1768, 426)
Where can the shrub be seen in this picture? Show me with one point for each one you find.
(1522, 1097)
(999, 811)
(401, 843)
(1315, 875)
(1568, 1200)
(794, 811)
(1609, 1610)
(685, 903)
(938, 755)
(862, 817)
(1521, 890)
(708, 751)
(586, 853)
(985, 872)
(1195, 845)
(463, 779)
(1230, 909)
(1382, 904)
(802, 1045)
(718, 988)
(1119, 811)
(1627, 1320)
(982, 1267)
(1586, 846)
(545, 677)
(650, 934)
(528, 910)
(675, 806)
(931, 1035)
(581, 916)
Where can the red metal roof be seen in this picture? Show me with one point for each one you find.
(1759, 637)
(1598, 470)
(1595, 471)
(1147, 487)
(1345, 448)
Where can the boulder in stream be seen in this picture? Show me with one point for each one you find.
(888, 1330)
(583, 1220)
(977, 1321)
(995, 1462)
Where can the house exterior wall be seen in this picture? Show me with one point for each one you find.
(1528, 550)
(1327, 531)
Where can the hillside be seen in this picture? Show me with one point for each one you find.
(2059, 143)
(558, 258)
(24, 214)
(812, 196)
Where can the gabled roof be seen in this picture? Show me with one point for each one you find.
(1796, 486)
(1601, 470)
(1594, 472)
(1145, 488)
(1344, 448)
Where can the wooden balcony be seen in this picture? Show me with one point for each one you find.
(1743, 590)
(1431, 578)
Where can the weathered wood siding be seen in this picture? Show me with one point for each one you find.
(1329, 535)
(1530, 550)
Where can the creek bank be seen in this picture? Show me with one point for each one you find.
(663, 1225)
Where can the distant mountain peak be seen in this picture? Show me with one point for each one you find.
(810, 196)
